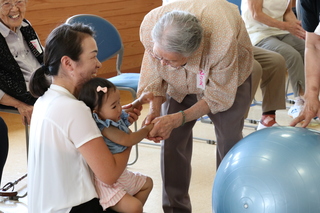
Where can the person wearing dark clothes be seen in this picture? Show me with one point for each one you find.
(4, 145)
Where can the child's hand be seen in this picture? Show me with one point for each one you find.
(154, 139)
(149, 127)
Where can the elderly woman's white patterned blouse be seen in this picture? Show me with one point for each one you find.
(222, 63)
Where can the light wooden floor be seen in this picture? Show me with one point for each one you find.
(203, 163)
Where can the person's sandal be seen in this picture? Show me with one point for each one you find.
(263, 125)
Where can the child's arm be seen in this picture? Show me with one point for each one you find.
(126, 139)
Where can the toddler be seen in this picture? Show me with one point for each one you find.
(131, 190)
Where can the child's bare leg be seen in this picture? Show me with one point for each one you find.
(144, 192)
(134, 204)
(128, 204)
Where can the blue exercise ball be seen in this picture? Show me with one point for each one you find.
(273, 170)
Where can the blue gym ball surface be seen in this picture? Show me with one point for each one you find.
(273, 170)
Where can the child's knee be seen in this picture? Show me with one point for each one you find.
(149, 183)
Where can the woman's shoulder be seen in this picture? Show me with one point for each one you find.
(58, 98)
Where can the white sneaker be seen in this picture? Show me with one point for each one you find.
(294, 111)
(261, 126)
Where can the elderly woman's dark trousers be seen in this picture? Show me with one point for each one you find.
(176, 151)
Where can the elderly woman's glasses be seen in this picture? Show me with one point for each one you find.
(154, 55)
(8, 5)
(172, 63)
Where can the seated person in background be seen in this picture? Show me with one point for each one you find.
(270, 67)
(132, 189)
(20, 54)
(272, 25)
(309, 11)
(4, 145)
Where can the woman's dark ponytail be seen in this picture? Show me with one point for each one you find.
(39, 82)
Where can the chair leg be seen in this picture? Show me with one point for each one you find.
(137, 152)
(136, 158)
(207, 121)
(135, 129)
(27, 139)
(289, 101)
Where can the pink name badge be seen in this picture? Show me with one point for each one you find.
(201, 80)
(36, 45)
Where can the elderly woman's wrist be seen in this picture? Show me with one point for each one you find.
(283, 25)
(183, 120)
(18, 104)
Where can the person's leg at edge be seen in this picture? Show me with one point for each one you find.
(255, 78)
(299, 45)
(176, 154)
(293, 58)
(4, 146)
(272, 84)
(229, 124)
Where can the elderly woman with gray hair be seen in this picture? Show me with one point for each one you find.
(198, 61)
(21, 53)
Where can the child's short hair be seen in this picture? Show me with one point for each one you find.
(89, 94)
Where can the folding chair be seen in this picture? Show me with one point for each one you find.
(110, 45)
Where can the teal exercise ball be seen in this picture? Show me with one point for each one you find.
(273, 170)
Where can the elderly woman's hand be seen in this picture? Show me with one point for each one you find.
(164, 125)
(25, 111)
(133, 113)
(148, 120)
(294, 27)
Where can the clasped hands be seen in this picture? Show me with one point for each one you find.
(295, 28)
(163, 126)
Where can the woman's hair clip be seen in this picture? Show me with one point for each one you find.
(103, 89)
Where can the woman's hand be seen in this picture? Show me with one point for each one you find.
(164, 125)
(310, 110)
(25, 111)
(147, 121)
(294, 27)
